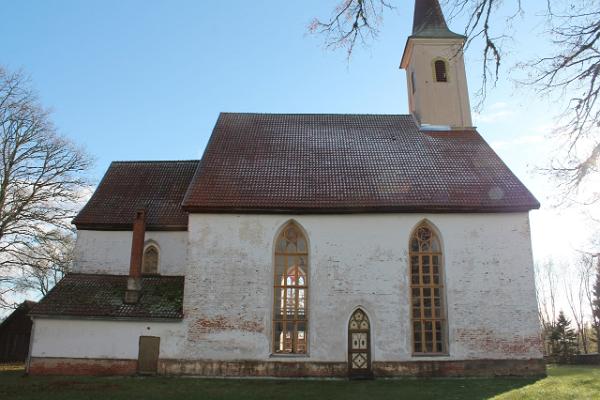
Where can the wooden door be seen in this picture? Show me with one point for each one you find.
(359, 347)
(148, 355)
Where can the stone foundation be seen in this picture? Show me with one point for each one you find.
(463, 368)
(278, 369)
(290, 369)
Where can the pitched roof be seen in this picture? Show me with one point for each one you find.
(22, 309)
(429, 21)
(303, 163)
(159, 186)
(101, 296)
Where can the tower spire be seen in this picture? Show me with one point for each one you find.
(437, 82)
(429, 20)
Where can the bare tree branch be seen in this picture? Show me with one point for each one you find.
(353, 22)
(571, 70)
(576, 298)
(41, 179)
(573, 73)
(43, 266)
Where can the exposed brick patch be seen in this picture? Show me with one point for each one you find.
(484, 340)
(222, 323)
(81, 366)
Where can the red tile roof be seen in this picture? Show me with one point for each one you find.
(101, 296)
(159, 186)
(291, 163)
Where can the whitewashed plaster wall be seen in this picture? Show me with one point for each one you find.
(67, 338)
(109, 252)
(360, 260)
(355, 261)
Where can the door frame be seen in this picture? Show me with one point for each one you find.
(154, 341)
(368, 372)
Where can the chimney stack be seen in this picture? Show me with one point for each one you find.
(134, 282)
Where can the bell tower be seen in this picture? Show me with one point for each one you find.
(435, 69)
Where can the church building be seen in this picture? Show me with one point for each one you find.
(309, 245)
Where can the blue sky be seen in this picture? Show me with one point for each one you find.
(147, 79)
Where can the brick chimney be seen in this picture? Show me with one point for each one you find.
(134, 282)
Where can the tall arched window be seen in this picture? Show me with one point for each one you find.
(428, 313)
(441, 71)
(150, 261)
(290, 322)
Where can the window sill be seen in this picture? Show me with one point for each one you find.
(434, 355)
(284, 356)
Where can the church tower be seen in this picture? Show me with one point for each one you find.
(435, 69)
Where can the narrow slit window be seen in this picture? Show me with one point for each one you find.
(150, 261)
(427, 293)
(441, 71)
(290, 308)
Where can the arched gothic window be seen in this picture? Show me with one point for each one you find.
(441, 71)
(427, 292)
(150, 260)
(290, 308)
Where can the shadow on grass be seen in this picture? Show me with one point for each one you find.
(14, 385)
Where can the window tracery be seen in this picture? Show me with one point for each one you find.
(290, 322)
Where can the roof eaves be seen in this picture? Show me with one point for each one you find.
(431, 34)
(129, 227)
(105, 318)
(367, 210)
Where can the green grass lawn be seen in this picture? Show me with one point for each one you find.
(561, 383)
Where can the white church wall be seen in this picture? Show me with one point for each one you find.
(109, 252)
(360, 260)
(70, 338)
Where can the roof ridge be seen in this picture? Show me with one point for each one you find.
(122, 275)
(317, 114)
(152, 161)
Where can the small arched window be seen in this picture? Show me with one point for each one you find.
(150, 261)
(290, 308)
(441, 71)
(427, 292)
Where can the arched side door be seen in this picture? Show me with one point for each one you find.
(359, 345)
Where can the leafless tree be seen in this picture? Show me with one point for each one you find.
(571, 70)
(41, 267)
(546, 284)
(577, 294)
(353, 22)
(40, 180)
(596, 301)
(546, 291)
